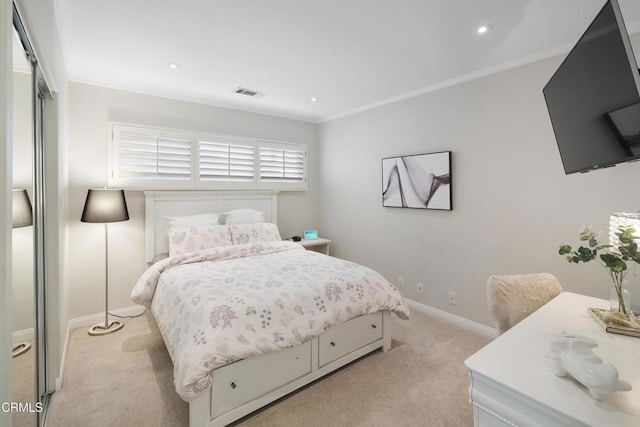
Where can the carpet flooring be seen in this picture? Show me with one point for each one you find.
(125, 379)
(23, 387)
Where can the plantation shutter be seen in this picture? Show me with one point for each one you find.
(143, 157)
(145, 153)
(282, 162)
(226, 161)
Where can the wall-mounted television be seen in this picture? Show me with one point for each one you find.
(593, 98)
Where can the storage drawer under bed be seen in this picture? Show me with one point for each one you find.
(349, 336)
(248, 379)
(241, 382)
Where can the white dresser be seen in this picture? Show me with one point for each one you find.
(512, 383)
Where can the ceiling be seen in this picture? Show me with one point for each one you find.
(349, 54)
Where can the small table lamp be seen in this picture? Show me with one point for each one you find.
(105, 206)
(22, 217)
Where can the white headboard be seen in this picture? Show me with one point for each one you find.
(160, 204)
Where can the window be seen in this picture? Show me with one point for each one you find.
(282, 163)
(145, 157)
(148, 156)
(224, 161)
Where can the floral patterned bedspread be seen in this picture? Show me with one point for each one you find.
(225, 304)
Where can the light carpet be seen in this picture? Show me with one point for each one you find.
(23, 387)
(125, 379)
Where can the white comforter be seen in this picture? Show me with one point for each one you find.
(225, 304)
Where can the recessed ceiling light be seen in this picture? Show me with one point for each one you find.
(483, 29)
(314, 99)
(174, 66)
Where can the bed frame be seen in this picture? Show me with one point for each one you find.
(242, 387)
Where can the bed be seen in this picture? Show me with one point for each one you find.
(249, 322)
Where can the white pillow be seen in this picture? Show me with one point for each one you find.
(160, 257)
(254, 233)
(193, 220)
(185, 240)
(242, 216)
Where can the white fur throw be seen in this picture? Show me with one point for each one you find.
(512, 298)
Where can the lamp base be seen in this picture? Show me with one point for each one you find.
(102, 330)
(20, 348)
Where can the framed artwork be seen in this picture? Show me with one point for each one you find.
(420, 181)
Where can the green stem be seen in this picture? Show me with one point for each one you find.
(618, 279)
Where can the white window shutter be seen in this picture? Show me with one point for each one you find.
(137, 155)
(143, 154)
(285, 163)
(174, 158)
(153, 158)
(222, 161)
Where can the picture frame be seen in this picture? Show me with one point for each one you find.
(417, 181)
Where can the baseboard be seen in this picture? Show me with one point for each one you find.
(452, 318)
(23, 335)
(81, 322)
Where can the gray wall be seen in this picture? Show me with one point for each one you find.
(513, 204)
(90, 110)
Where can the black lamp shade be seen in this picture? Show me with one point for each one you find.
(105, 205)
(22, 211)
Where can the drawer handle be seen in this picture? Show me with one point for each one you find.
(233, 385)
(374, 326)
(333, 344)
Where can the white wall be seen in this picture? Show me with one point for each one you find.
(512, 203)
(91, 108)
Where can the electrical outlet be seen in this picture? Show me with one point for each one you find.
(400, 282)
(420, 288)
(452, 298)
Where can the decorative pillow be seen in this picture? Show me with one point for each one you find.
(242, 216)
(184, 240)
(254, 233)
(193, 220)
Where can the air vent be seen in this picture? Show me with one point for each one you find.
(249, 92)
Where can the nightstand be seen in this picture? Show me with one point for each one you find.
(318, 245)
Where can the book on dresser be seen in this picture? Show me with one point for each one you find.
(614, 324)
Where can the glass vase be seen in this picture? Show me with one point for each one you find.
(620, 303)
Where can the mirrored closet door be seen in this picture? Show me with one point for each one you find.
(29, 385)
(23, 389)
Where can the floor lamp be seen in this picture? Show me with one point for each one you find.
(22, 217)
(105, 206)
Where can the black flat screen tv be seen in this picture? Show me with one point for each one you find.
(593, 98)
